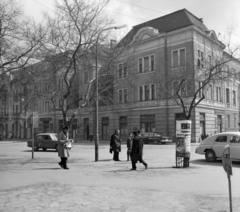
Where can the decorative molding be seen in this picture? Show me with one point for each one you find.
(145, 33)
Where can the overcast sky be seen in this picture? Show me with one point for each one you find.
(218, 15)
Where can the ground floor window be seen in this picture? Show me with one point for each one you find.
(105, 128)
(147, 123)
(219, 123)
(202, 126)
(123, 127)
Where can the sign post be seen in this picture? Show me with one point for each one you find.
(34, 121)
(183, 143)
(227, 166)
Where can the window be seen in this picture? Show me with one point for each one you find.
(235, 139)
(147, 92)
(200, 93)
(228, 120)
(209, 61)
(140, 65)
(218, 94)
(221, 139)
(152, 63)
(210, 93)
(122, 96)
(141, 93)
(234, 97)
(178, 58)
(122, 70)
(200, 61)
(153, 91)
(146, 64)
(227, 70)
(227, 96)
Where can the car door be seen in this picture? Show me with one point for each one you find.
(39, 141)
(219, 144)
(48, 142)
(235, 147)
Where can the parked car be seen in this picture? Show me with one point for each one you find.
(46, 141)
(212, 147)
(156, 138)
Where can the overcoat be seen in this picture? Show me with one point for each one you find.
(137, 148)
(115, 143)
(62, 150)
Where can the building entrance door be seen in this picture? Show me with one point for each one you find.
(105, 132)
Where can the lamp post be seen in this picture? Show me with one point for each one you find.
(96, 125)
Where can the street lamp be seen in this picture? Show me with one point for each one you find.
(97, 135)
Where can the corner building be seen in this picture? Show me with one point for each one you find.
(157, 51)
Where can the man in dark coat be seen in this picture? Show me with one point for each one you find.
(137, 151)
(115, 145)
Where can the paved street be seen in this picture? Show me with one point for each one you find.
(41, 185)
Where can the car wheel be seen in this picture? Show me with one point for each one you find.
(210, 155)
(44, 149)
(56, 148)
(36, 148)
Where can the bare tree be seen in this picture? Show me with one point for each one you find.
(19, 37)
(188, 85)
(68, 50)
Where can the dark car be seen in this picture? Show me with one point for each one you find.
(155, 138)
(44, 141)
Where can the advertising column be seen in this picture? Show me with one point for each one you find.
(183, 143)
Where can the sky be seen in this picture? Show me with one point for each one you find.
(218, 15)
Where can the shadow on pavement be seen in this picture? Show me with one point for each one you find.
(41, 151)
(47, 168)
(216, 163)
(105, 160)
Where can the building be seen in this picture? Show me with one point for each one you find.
(157, 53)
(158, 50)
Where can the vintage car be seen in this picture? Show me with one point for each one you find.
(155, 138)
(45, 141)
(212, 147)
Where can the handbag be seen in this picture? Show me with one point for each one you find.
(110, 150)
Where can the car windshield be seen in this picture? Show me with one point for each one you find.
(55, 136)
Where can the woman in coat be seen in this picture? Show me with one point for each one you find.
(137, 151)
(62, 149)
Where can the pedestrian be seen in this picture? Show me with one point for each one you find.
(115, 145)
(63, 152)
(137, 151)
(10, 136)
(91, 137)
(129, 146)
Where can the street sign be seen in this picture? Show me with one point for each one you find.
(226, 160)
(227, 166)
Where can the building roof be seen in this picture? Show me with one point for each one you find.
(173, 21)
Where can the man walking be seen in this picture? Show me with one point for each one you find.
(115, 145)
(137, 151)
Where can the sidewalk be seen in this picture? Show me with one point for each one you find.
(41, 185)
